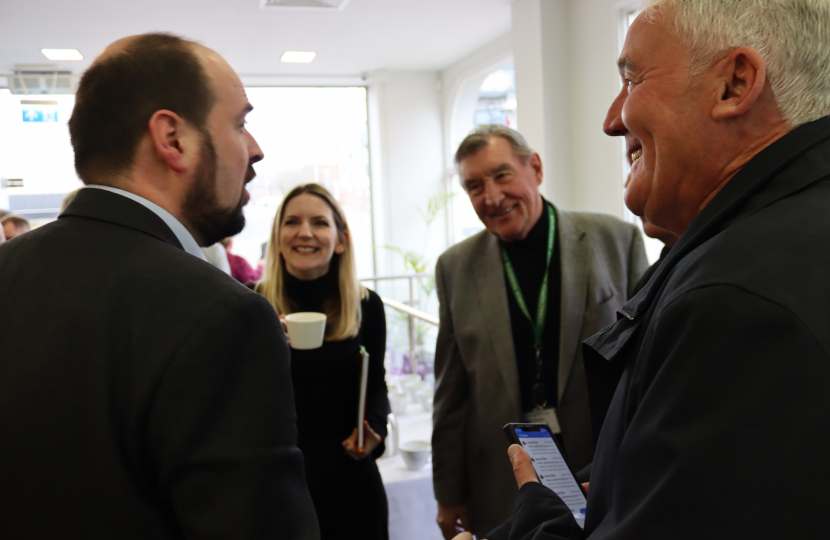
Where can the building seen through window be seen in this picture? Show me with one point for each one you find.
(497, 99)
(307, 135)
(496, 104)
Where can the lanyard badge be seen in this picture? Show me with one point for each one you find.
(539, 393)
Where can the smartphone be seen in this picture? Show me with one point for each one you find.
(549, 463)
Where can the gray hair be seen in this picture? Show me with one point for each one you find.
(479, 138)
(792, 36)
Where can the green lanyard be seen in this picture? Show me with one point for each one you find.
(541, 311)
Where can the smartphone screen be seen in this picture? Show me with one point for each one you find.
(551, 468)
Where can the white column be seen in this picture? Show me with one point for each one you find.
(541, 51)
(407, 153)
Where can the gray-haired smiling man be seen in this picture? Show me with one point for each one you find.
(516, 300)
(718, 425)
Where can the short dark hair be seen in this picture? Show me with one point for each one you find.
(117, 96)
(479, 138)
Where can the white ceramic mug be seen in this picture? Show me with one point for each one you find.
(415, 454)
(398, 401)
(305, 329)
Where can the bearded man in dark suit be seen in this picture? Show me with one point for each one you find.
(145, 393)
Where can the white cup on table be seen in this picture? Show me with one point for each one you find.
(305, 329)
(415, 454)
(398, 401)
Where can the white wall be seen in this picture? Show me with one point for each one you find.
(407, 147)
(598, 159)
(541, 47)
(566, 78)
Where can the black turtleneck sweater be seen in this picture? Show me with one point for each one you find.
(528, 259)
(347, 494)
(327, 380)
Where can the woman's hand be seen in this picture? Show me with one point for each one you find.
(370, 441)
(284, 328)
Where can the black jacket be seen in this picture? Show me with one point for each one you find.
(144, 393)
(718, 428)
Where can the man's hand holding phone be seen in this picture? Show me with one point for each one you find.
(522, 467)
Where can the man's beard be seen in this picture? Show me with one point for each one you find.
(201, 210)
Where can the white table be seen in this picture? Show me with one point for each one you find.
(412, 506)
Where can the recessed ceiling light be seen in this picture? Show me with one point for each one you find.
(62, 54)
(296, 57)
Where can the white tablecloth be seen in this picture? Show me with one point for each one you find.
(412, 506)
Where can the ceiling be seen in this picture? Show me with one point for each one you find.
(364, 36)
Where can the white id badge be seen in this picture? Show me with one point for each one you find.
(544, 416)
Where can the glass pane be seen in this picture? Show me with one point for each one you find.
(497, 99)
(35, 147)
(309, 135)
(496, 105)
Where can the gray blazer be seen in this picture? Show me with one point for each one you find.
(477, 382)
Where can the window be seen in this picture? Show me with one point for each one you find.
(497, 99)
(496, 104)
(309, 135)
(35, 147)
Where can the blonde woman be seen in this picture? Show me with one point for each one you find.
(310, 267)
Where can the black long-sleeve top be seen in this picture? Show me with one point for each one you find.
(327, 380)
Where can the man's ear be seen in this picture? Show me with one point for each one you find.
(742, 77)
(171, 138)
(536, 163)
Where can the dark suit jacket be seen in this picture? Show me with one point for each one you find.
(144, 393)
(718, 426)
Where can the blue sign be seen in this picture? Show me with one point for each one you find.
(37, 115)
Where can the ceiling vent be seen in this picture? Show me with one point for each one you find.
(39, 80)
(327, 5)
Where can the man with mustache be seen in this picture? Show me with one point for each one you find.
(516, 300)
(146, 394)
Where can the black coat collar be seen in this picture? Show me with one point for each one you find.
(113, 208)
(769, 177)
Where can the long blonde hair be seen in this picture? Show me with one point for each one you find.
(343, 313)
